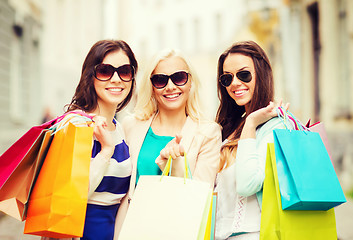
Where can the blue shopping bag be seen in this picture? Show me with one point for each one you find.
(307, 179)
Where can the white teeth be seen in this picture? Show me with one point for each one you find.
(238, 92)
(115, 89)
(172, 96)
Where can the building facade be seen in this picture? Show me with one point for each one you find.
(20, 80)
(316, 71)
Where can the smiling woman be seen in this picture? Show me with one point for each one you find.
(168, 121)
(106, 86)
(247, 115)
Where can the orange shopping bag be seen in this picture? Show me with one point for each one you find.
(57, 205)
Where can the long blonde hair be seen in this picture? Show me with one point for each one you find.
(228, 154)
(146, 104)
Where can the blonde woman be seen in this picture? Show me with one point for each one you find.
(168, 121)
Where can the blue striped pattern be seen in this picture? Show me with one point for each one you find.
(104, 203)
(121, 152)
(114, 185)
(116, 181)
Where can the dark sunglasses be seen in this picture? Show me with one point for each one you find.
(161, 80)
(227, 78)
(105, 72)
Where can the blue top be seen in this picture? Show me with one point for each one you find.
(150, 149)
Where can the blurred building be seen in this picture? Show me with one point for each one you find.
(310, 44)
(200, 29)
(70, 28)
(318, 51)
(20, 80)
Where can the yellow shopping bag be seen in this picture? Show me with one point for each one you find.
(166, 207)
(57, 205)
(211, 220)
(278, 224)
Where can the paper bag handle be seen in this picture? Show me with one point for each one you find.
(287, 117)
(168, 168)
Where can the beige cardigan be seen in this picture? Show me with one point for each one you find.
(201, 141)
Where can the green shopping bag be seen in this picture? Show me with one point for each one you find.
(277, 224)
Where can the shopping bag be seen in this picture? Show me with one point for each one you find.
(15, 192)
(21, 149)
(168, 207)
(58, 202)
(319, 127)
(211, 221)
(307, 179)
(277, 224)
(13, 156)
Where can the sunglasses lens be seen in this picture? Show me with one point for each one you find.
(126, 72)
(226, 79)
(159, 80)
(179, 78)
(104, 72)
(244, 76)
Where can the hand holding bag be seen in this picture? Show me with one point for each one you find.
(166, 207)
(57, 204)
(307, 179)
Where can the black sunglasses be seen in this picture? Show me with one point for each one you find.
(161, 80)
(227, 78)
(105, 72)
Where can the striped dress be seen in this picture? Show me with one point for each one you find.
(110, 181)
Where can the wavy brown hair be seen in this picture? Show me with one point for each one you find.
(85, 97)
(229, 114)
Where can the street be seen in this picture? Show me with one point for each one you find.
(12, 229)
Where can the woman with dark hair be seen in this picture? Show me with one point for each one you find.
(247, 114)
(106, 86)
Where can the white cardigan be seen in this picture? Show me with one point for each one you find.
(239, 186)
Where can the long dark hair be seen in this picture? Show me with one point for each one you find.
(229, 114)
(85, 97)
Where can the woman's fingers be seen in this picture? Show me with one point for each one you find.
(173, 148)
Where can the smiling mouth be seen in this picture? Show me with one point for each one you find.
(115, 90)
(240, 93)
(172, 96)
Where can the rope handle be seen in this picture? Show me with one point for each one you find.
(288, 118)
(168, 168)
(78, 118)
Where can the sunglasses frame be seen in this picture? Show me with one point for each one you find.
(240, 78)
(115, 71)
(170, 77)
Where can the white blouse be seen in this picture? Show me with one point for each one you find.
(238, 207)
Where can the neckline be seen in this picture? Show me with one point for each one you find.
(150, 130)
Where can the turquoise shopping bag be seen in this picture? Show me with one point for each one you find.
(307, 179)
(277, 224)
